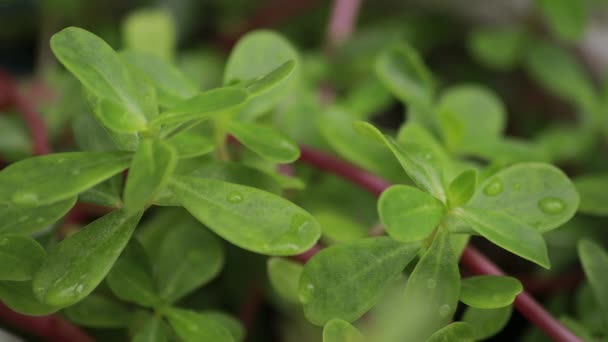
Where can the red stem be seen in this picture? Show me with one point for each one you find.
(471, 258)
(342, 22)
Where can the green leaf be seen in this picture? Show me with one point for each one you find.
(419, 162)
(131, 279)
(594, 197)
(188, 257)
(151, 31)
(270, 80)
(234, 327)
(191, 326)
(154, 329)
(595, 264)
(567, 18)
(90, 135)
(577, 328)
(256, 55)
(19, 220)
(18, 296)
(487, 322)
(247, 217)
(96, 311)
(432, 290)
(265, 141)
(338, 330)
(489, 292)
(15, 143)
(409, 214)
(101, 71)
(20, 257)
(403, 72)
(338, 227)
(462, 188)
(469, 116)
(189, 144)
(507, 232)
(72, 172)
(107, 193)
(539, 195)
(336, 127)
(171, 85)
(365, 267)
(284, 276)
(560, 73)
(203, 106)
(151, 167)
(500, 48)
(75, 266)
(454, 332)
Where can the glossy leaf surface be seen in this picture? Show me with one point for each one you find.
(489, 292)
(266, 141)
(20, 257)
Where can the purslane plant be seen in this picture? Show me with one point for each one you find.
(172, 139)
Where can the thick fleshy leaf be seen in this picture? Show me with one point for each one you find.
(470, 115)
(203, 106)
(90, 135)
(151, 167)
(96, 311)
(75, 266)
(19, 220)
(265, 141)
(234, 327)
(340, 227)
(190, 144)
(432, 290)
(595, 263)
(403, 72)
(249, 218)
(153, 329)
(539, 195)
(365, 267)
(419, 162)
(489, 292)
(256, 55)
(567, 18)
(131, 279)
(102, 72)
(18, 296)
(594, 197)
(20, 257)
(191, 326)
(338, 330)
(284, 276)
(72, 173)
(188, 257)
(462, 188)
(455, 332)
(487, 322)
(171, 85)
(409, 214)
(151, 31)
(270, 80)
(500, 48)
(507, 232)
(107, 193)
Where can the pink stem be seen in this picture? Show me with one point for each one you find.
(471, 258)
(342, 22)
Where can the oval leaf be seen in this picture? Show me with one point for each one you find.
(265, 141)
(487, 322)
(595, 263)
(194, 327)
(151, 31)
(76, 265)
(594, 197)
(284, 276)
(538, 194)
(249, 218)
(190, 144)
(365, 267)
(489, 292)
(409, 214)
(462, 188)
(153, 329)
(19, 220)
(338, 330)
(455, 332)
(18, 296)
(20, 257)
(96, 311)
(72, 173)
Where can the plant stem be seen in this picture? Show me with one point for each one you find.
(342, 22)
(471, 258)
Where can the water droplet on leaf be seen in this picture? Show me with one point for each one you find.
(25, 198)
(307, 293)
(494, 188)
(551, 205)
(235, 197)
(444, 310)
(299, 223)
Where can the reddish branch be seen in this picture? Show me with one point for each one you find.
(472, 259)
(342, 22)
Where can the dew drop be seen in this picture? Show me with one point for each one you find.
(307, 292)
(494, 188)
(234, 197)
(79, 288)
(25, 198)
(299, 223)
(551, 205)
(431, 283)
(444, 310)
